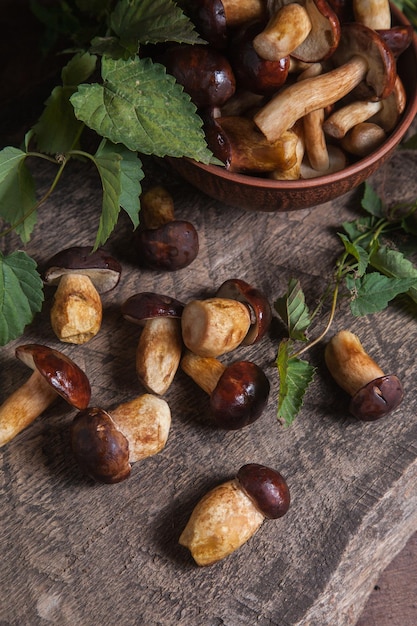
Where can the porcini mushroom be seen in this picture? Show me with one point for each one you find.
(375, 14)
(80, 276)
(106, 444)
(163, 242)
(54, 375)
(361, 56)
(238, 392)
(363, 139)
(159, 348)
(229, 515)
(373, 394)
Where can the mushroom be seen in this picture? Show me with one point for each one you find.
(54, 375)
(238, 392)
(105, 445)
(294, 172)
(363, 139)
(230, 514)
(239, 144)
(361, 57)
(373, 394)
(307, 30)
(375, 14)
(80, 275)
(337, 162)
(397, 38)
(164, 243)
(159, 348)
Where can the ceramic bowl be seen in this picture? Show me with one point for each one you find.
(261, 194)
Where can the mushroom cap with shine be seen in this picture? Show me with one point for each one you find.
(267, 489)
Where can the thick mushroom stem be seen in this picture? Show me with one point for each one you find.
(345, 118)
(285, 31)
(24, 406)
(373, 393)
(314, 137)
(375, 14)
(223, 520)
(214, 326)
(301, 98)
(158, 353)
(205, 371)
(77, 311)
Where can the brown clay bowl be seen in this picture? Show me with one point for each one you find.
(261, 194)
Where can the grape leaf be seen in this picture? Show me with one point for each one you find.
(373, 292)
(394, 264)
(151, 21)
(292, 309)
(295, 376)
(21, 294)
(142, 107)
(17, 192)
(359, 253)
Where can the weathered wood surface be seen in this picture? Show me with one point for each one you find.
(75, 552)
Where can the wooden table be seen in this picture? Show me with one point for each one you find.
(80, 553)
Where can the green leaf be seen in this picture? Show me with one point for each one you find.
(357, 252)
(21, 294)
(362, 227)
(394, 264)
(17, 192)
(111, 47)
(371, 202)
(373, 292)
(131, 175)
(295, 376)
(142, 107)
(151, 21)
(109, 167)
(292, 309)
(78, 69)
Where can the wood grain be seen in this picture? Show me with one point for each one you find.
(75, 552)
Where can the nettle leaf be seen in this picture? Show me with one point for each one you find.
(131, 174)
(371, 202)
(21, 294)
(17, 192)
(394, 264)
(373, 292)
(295, 376)
(109, 168)
(292, 309)
(362, 227)
(152, 21)
(357, 252)
(142, 107)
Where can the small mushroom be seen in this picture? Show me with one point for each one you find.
(373, 394)
(159, 348)
(105, 445)
(238, 392)
(163, 242)
(54, 375)
(80, 276)
(230, 514)
(360, 57)
(363, 139)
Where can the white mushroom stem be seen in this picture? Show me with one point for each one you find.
(223, 520)
(24, 406)
(343, 119)
(145, 422)
(285, 31)
(205, 371)
(77, 311)
(310, 94)
(375, 14)
(158, 353)
(294, 172)
(314, 137)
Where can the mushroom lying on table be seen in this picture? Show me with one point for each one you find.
(80, 276)
(361, 57)
(54, 375)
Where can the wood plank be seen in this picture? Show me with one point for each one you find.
(83, 553)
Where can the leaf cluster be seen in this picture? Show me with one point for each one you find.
(128, 102)
(371, 271)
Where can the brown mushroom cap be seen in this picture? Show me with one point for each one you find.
(171, 247)
(267, 489)
(66, 378)
(324, 35)
(376, 399)
(103, 270)
(147, 305)
(100, 448)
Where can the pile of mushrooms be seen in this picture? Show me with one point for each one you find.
(305, 87)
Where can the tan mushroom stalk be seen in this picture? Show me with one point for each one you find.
(375, 14)
(314, 137)
(373, 394)
(361, 56)
(286, 30)
(105, 445)
(54, 375)
(231, 513)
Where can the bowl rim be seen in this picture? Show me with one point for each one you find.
(369, 161)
